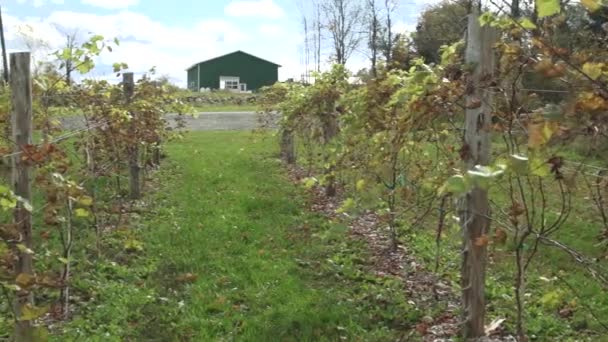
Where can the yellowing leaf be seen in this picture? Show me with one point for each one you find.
(25, 280)
(540, 133)
(309, 182)
(539, 167)
(486, 18)
(547, 7)
(594, 70)
(6, 203)
(552, 300)
(589, 101)
(133, 245)
(30, 312)
(81, 212)
(549, 130)
(527, 24)
(347, 205)
(87, 201)
(360, 185)
(24, 249)
(592, 5)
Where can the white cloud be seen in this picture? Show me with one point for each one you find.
(111, 4)
(145, 42)
(40, 3)
(271, 30)
(403, 27)
(253, 8)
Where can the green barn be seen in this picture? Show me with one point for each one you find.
(237, 71)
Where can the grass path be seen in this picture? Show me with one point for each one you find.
(233, 209)
(230, 253)
(226, 251)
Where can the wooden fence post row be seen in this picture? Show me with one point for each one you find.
(21, 124)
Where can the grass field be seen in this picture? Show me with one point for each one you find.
(228, 252)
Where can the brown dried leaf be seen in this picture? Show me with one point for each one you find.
(500, 236)
(482, 241)
(186, 278)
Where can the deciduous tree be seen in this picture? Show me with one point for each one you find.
(343, 22)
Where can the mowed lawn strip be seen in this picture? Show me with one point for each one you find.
(233, 207)
(235, 213)
(225, 249)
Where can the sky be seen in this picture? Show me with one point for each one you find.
(173, 35)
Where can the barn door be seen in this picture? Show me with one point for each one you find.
(229, 82)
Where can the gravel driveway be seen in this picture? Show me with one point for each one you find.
(212, 121)
(220, 121)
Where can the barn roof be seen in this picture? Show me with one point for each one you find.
(232, 53)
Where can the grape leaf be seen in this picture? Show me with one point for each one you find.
(547, 7)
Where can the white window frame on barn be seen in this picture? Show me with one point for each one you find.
(231, 83)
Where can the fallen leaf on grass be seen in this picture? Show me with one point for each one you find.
(500, 237)
(186, 278)
(422, 328)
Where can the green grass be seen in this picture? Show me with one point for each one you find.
(227, 251)
(225, 108)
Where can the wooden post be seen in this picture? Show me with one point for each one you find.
(21, 122)
(331, 129)
(288, 153)
(475, 215)
(156, 153)
(156, 148)
(134, 167)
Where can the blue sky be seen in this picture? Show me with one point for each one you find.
(172, 35)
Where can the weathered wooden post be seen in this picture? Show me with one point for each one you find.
(475, 215)
(128, 84)
(21, 123)
(156, 153)
(331, 129)
(288, 152)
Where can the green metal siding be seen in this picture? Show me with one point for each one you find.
(193, 79)
(255, 72)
